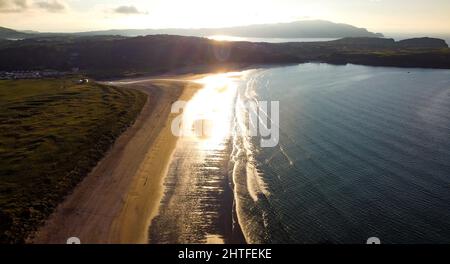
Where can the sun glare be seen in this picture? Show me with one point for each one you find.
(208, 114)
(225, 38)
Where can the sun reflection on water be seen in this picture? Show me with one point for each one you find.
(209, 113)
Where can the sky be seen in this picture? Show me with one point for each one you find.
(385, 16)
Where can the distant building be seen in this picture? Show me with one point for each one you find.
(83, 81)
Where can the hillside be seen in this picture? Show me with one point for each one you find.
(53, 132)
(298, 29)
(114, 56)
(6, 33)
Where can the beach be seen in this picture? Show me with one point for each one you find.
(198, 204)
(223, 187)
(117, 200)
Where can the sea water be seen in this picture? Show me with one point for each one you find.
(363, 152)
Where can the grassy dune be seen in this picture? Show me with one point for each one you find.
(52, 133)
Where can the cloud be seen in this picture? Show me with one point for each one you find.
(21, 3)
(128, 10)
(18, 6)
(53, 6)
(13, 6)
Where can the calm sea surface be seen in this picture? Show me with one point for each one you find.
(363, 152)
(269, 40)
(397, 37)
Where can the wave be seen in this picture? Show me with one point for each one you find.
(362, 150)
(250, 189)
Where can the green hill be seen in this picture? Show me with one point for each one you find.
(52, 132)
(104, 56)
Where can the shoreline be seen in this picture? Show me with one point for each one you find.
(143, 200)
(198, 205)
(103, 207)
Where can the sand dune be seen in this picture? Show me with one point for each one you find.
(116, 201)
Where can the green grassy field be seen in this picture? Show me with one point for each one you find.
(52, 133)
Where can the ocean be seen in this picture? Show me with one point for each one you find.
(363, 152)
(396, 36)
(269, 40)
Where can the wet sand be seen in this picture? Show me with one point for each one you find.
(197, 206)
(117, 200)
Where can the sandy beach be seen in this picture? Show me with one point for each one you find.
(117, 200)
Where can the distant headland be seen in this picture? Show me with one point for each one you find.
(110, 56)
(297, 29)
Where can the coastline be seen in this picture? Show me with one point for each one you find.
(144, 196)
(116, 200)
(198, 204)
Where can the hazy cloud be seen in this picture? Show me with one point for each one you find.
(13, 6)
(51, 6)
(128, 10)
(21, 3)
(17, 6)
